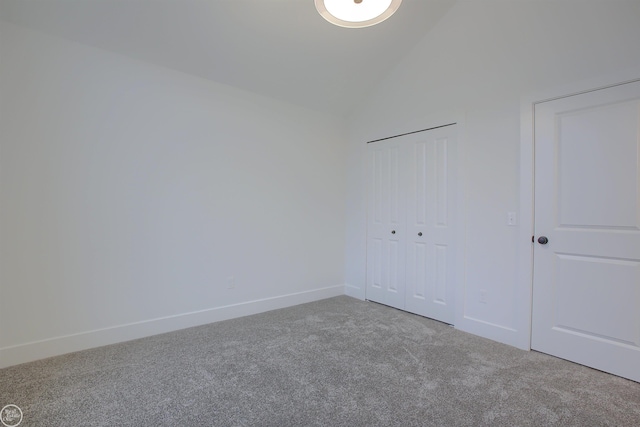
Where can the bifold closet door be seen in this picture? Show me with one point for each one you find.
(430, 232)
(386, 240)
(410, 234)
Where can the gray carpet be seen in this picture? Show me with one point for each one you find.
(337, 362)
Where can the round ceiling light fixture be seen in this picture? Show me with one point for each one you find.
(356, 13)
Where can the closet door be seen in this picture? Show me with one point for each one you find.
(410, 234)
(386, 240)
(430, 232)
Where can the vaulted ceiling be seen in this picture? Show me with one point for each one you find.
(278, 48)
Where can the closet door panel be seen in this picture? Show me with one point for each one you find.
(431, 193)
(386, 245)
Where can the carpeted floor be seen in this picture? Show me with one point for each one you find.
(337, 362)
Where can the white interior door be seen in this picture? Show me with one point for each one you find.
(430, 230)
(410, 230)
(586, 290)
(386, 240)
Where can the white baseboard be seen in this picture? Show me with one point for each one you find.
(354, 292)
(500, 333)
(29, 352)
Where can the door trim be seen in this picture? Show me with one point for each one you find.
(524, 286)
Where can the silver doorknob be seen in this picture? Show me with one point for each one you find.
(543, 240)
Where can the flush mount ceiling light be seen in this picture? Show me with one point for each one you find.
(356, 13)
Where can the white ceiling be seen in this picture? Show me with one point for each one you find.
(279, 48)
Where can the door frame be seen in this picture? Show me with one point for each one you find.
(524, 286)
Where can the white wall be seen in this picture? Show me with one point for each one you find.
(131, 193)
(478, 63)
